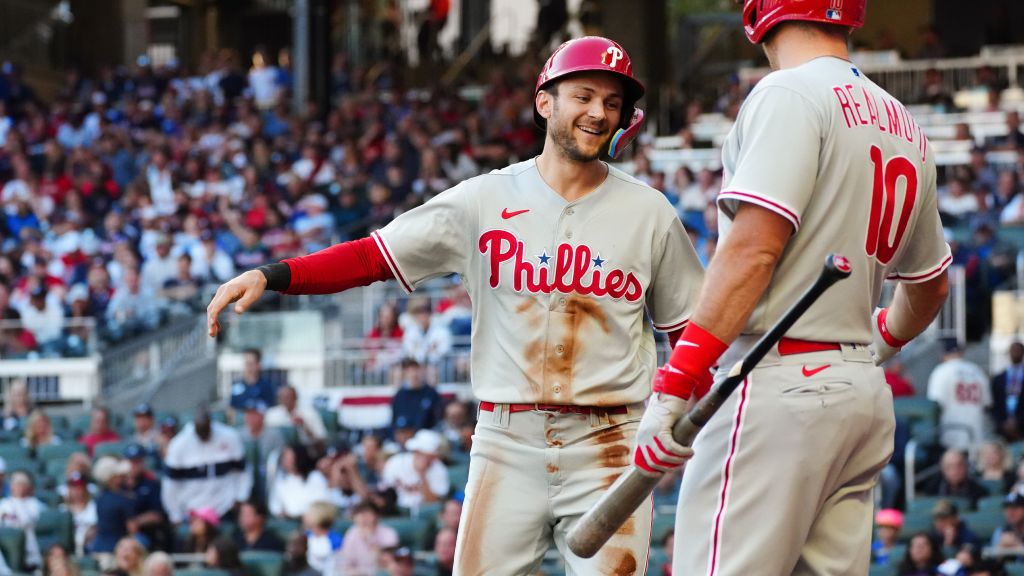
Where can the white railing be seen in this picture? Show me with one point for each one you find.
(56, 380)
(951, 322)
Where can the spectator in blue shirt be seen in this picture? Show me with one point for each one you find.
(254, 384)
(416, 405)
(115, 505)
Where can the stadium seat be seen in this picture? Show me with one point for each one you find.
(12, 543)
(662, 525)
(458, 475)
(884, 570)
(115, 449)
(917, 521)
(330, 420)
(926, 503)
(61, 451)
(984, 522)
(916, 408)
(14, 452)
(283, 527)
(897, 554)
(994, 502)
(412, 532)
(262, 563)
(55, 527)
(202, 572)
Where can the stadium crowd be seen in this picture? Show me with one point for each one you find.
(131, 192)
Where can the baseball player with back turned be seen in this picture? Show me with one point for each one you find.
(820, 160)
(561, 254)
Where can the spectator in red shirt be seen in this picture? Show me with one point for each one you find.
(99, 430)
(898, 381)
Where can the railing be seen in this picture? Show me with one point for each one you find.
(56, 380)
(951, 322)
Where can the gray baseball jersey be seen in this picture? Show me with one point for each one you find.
(559, 288)
(852, 135)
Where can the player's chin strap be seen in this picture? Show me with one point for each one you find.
(624, 136)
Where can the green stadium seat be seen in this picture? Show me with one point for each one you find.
(458, 475)
(1014, 569)
(86, 562)
(984, 522)
(27, 464)
(660, 527)
(284, 528)
(14, 452)
(263, 563)
(59, 451)
(897, 554)
(330, 420)
(916, 408)
(412, 532)
(655, 560)
(202, 572)
(55, 527)
(12, 543)
(993, 502)
(926, 503)
(110, 448)
(51, 498)
(917, 521)
(55, 468)
(289, 433)
(883, 570)
(341, 525)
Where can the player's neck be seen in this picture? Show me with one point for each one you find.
(794, 47)
(571, 180)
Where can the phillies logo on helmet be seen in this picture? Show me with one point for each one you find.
(574, 269)
(611, 56)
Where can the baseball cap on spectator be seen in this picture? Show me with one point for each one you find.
(889, 517)
(134, 451)
(169, 422)
(944, 509)
(142, 409)
(256, 404)
(78, 292)
(425, 441)
(403, 553)
(206, 514)
(38, 292)
(1014, 498)
(108, 467)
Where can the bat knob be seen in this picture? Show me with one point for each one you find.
(838, 266)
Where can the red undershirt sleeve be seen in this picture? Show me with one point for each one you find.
(338, 268)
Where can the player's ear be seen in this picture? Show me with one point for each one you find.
(545, 103)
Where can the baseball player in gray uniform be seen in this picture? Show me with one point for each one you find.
(820, 160)
(563, 257)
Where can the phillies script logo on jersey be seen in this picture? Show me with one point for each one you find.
(570, 269)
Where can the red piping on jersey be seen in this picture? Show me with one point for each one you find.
(337, 268)
(926, 275)
(716, 535)
(391, 261)
(672, 327)
(766, 203)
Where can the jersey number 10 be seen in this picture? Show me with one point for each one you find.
(883, 240)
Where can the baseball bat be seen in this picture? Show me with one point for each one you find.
(634, 486)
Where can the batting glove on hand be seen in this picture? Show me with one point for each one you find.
(657, 451)
(883, 344)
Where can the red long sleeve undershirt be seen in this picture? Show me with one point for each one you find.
(340, 267)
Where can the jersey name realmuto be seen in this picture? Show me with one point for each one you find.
(843, 161)
(559, 289)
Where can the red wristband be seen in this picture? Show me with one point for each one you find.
(884, 331)
(690, 365)
(671, 381)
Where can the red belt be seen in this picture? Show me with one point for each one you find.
(561, 408)
(788, 346)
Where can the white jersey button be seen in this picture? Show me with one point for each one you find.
(559, 349)
(570, 212)
(568, 234)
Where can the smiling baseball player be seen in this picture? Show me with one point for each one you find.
(820, 160)
(562, 255)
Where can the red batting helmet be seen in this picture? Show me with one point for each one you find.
(594, 53)
(760, 16)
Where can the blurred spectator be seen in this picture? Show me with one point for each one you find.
(416, 405)
(451, 515)
(295, 556)
(203, 529)
(43, 316)
(204, 467)
(17, 405)
(1014, 138)
(954, 480)
(252, 533)
(160, 266)
(99, 430)
(934, 92)
(297, 485)
(289, 413)
(346, 485)
(209, 261)
(263, 79)
(888, 524)
(424, 339)
(322, 542)
(158, 564)
(444, 551)
(39, 431)
(15, 341)
(183, 290)
(959, 201)
(21, 510)
(315, 225)
(150, 519)
(994, 464)
(145, 427)
(923, 557)
(1007, 409)
(222, 554)
(1008, 199)
(897, 379)
(268, 440)
(58, 563)
(115, 505)
(947, 527)
(165, 433)
(400, 562)
(133, 308)
(384, 342)
(129, 556)
(253, 383)
(961, 389)
(360, 553)
(1013, 514)
(418, 475)
(82, 507)
(456, 415)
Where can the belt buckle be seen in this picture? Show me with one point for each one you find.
(550, 408)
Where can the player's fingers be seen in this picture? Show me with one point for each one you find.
(660, 462)
(224, 296)
(641, 463)
(673, 450)
(247, 299)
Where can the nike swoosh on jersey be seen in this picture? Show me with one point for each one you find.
(505, 214)
(813, 371)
